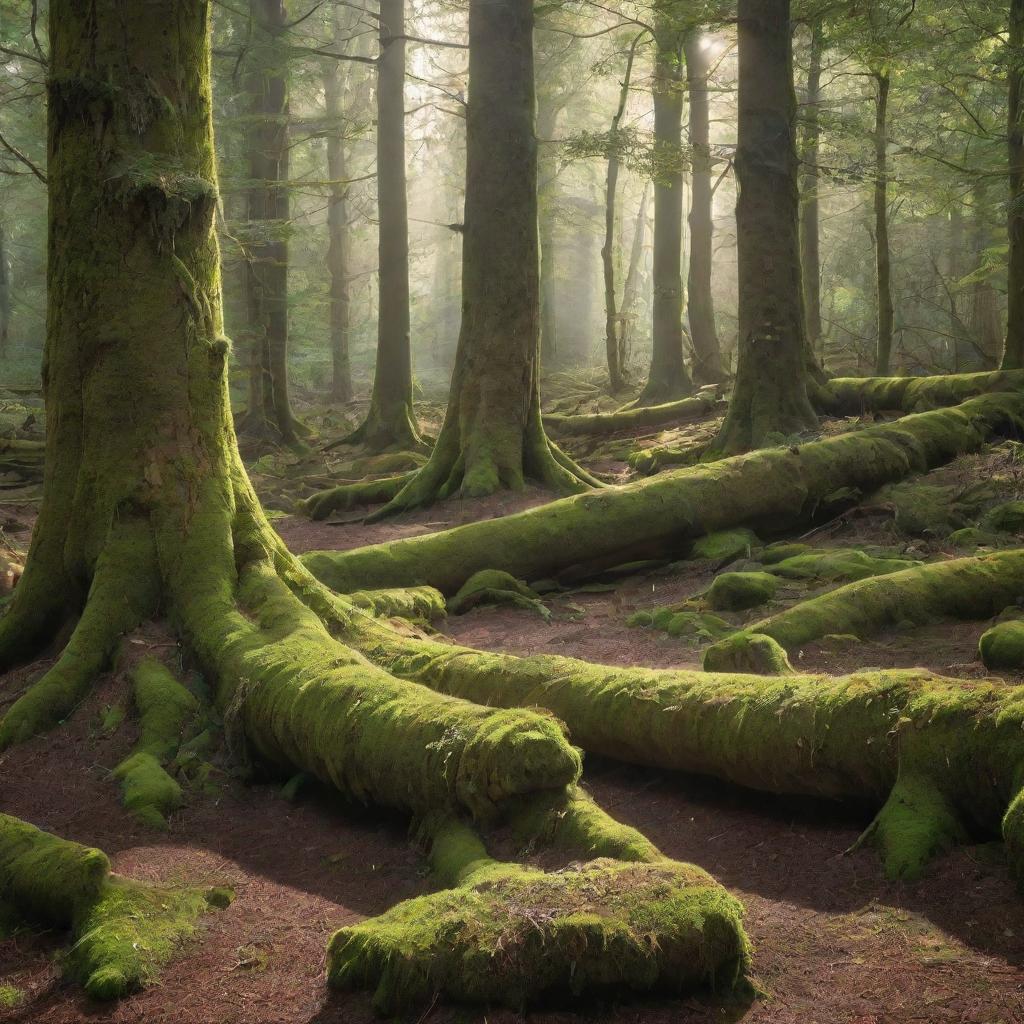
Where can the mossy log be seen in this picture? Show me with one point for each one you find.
(768, 490)
(343, 497)
(853, 737)
(123, 930)
(963, 588)
(851, 396)
(627, 918)
(685, 409)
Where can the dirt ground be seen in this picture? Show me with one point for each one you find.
(833, 940)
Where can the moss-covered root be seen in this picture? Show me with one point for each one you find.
(915, 823)
(125, 936)
(354, 495)
(849, 737)
(166, 708)
(777, 487)
(418, 604)
(314, 705)
(123, 594)
(640, 416)
(962, 588)
(492, 586)
(46, 878)
(853, 395)
(514, 935)
(123, 931)
(1002, 646)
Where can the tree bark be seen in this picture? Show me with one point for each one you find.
(338, 237)
(612, 325)
(631, 288)
(548, 189)
(391, 420)
(883, 257)
(267, 265)
(668, 378)
(1013, 348)
(985, 323)
(810, 251)
(5, 293)
(770, 395)
(700, 303)
(492, 436)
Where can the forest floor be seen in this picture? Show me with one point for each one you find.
(834, 941)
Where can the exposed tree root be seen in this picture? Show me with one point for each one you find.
(640, 416)
(853, 737)
(514, 935)
(123, 931)
(385, 428)
(166, 709)
(851, 396)
(346, 496)
(963, 588)
(773, 489)
(478, 469)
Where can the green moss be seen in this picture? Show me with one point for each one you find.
(1002, 646)
(930, 510)
(166, 709)
(726, 545)
(747, 651)
(147, 790)
(963, 588)
(492, 586)
(782, 550)
(11, 997)
(684, 622)
(837, 564)
(346, 496)
(915, 823)
(128, 933)
(1005, 518)
(415, 603)
(630, 418)
(737, 591)
(971, 538)
(516, 936)
(854, 395)
(47, 878)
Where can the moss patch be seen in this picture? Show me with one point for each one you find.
(737, 591)
(725, 546)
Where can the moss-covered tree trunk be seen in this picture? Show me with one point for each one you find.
(700, 303)
(770, 396)
(880, 201)
(985, 320)
(668, 377)
(492, 435)
(338, 236)
(269, 411)
(1013, 349)
(631, 286)
(391, 421)
(810, 249)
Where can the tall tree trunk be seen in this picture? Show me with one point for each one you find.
(631, 289)
(883, 257)
(492, 435)
(1013, 349)
(267, 271)
(985, 324)
(770, 395)
(5, 293)
(700, 304)
(338, 237)
(547, 123)
(668, 378)
(612, 327)
(391, 421)
(810, 250)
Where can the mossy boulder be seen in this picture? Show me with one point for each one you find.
(737, 591)
(1003, 645)
(680, 621)
(841, 564)
(725, 546)
(970, 538)
(749, 653)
